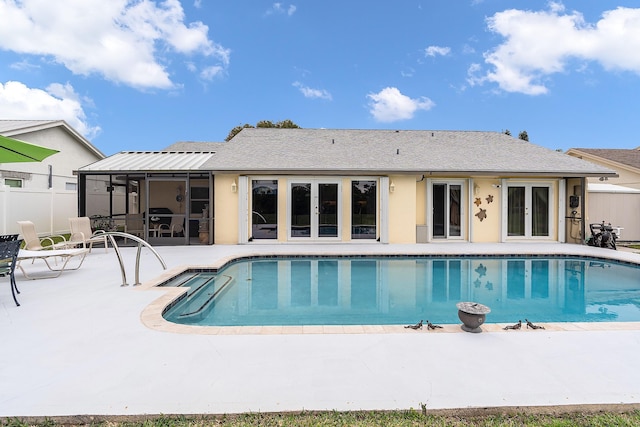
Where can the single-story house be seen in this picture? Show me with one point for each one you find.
(43, 192)
(614, 199)
(339, 185)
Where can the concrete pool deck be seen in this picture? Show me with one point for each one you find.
(78, 346)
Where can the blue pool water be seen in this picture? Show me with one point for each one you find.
(399, 290)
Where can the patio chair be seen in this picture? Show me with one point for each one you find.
(81, 233)
(175, 229)
(8, 237)
(8, 258)
(34, 243)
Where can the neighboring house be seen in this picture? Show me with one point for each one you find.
(336, 185)
(44, 192)
(614, 199)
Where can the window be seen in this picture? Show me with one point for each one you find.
(12, 182)
(71, 186)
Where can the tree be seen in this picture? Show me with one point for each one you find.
(233, 132)
(523, 135)
(284, 124)
(507, 132)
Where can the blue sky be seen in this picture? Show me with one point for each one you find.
(141, 75)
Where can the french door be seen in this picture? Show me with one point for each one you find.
(314, 209)
(529, 210)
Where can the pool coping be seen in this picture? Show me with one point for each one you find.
(152, 315)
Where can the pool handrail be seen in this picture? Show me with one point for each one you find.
(141, 242)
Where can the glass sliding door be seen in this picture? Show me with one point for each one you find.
(264, 209)
(540, 208)
(364, 196)
(529, 210)
(446, 219)
(328, 210)
(300, 219)
(516, 211)
(314, 209)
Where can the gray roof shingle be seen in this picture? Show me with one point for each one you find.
(361, 151)
(345, 151)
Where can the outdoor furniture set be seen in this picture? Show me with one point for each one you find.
(55, 251)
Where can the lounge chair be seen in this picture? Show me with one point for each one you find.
(34, 243)
(81, 233)
(65, 254)
(8, 258)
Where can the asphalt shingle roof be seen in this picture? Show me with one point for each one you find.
(353, 151)
(345, 151)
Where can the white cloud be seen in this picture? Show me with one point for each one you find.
(122, 40)
(209, 73)
(539, 44)
(312, 93)
(280, 9)
(389, 105)
(437, 50)
(57, 102)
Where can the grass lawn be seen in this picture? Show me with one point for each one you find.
(361, 419)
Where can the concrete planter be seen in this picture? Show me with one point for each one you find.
(472, 315)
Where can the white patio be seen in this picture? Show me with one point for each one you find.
(77, 346)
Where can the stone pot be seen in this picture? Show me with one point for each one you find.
(472, 315)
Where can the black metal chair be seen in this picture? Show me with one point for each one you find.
(8, 259)
(8, 237)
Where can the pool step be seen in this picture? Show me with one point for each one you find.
(203, 300)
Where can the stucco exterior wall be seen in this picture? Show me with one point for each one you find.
(402, 209)
(573, 228)
(421, 202)
(486, 196)
(226, 210)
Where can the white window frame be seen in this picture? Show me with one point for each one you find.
(464, 188)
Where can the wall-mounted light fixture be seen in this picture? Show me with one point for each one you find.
(496, 185)
(392, 187)
(476, 189)
(234, 186)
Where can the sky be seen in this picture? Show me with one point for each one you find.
(143, 74)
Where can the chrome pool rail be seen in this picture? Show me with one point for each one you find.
(141, 242)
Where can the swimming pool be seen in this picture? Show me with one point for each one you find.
(404, 290)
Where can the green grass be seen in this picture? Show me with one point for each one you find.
(359, 419)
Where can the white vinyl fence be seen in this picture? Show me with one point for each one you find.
(619, 209)
(49, 210)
